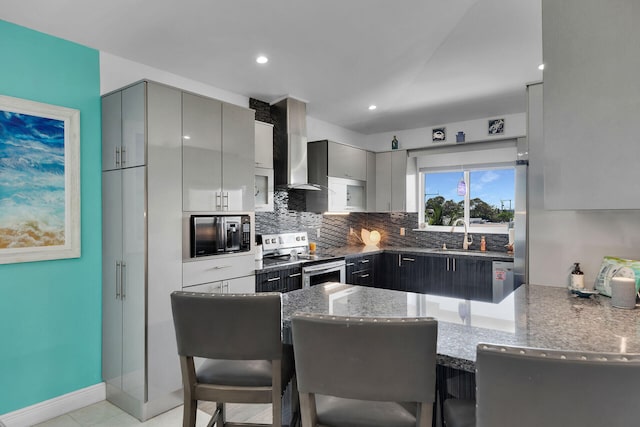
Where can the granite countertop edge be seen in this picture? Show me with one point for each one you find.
(352, 251)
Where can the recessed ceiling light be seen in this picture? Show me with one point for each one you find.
(262, 59)
(372, 107)
(541, 67)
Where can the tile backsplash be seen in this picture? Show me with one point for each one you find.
(289, 215)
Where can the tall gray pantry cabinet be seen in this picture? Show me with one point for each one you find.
(142, 246)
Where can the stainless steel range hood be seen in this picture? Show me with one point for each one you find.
(290, 145)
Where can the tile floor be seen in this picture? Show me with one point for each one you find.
(104, 414)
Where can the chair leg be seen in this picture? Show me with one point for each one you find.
(308, 413)
(276, 410)
(222, 416)
(189, 416)
(295, 399)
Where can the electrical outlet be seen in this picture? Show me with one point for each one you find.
(402, 231)
(317, 233)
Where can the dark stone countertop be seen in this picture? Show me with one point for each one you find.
(532, 316)
(350, 251)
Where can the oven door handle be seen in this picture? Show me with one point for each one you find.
(321, 270)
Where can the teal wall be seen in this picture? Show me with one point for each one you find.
(50, 311)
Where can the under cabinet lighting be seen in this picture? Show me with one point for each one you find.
(372, 107)
(262, 59)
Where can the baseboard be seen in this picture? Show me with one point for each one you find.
(55, 407)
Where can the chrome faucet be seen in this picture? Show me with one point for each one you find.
(468, 240)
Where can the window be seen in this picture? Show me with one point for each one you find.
(484, 198)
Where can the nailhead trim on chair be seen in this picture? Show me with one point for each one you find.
(367, 319)
(562, 355)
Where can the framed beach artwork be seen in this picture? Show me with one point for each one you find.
(39, 181)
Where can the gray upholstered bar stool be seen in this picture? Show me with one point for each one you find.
(365, 372)
(240, 336)
(528, 387)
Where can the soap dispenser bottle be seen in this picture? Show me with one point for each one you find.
(577, 277)
(483, 244)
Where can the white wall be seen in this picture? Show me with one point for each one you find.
(319, 130)
(117, 72)
(557, 239)
(475, 130)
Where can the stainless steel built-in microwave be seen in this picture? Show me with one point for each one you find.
(219, 234)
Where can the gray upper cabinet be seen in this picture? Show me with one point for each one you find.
(201, 153)
(347, 162)
(371, 181)
(264, 145)
(238, 158)
(590, 104)
(337, 193)
(391, 181)
(217, 155)
(123, 133)
(264, 176)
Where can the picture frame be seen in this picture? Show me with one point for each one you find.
(496, 126)
(40, 207)
(439, 134)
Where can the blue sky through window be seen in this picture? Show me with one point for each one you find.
(494, 186)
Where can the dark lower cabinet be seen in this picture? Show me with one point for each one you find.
(386, 272)
(414, 273)
(453, 276)
(360, 269)
(461, 277)
(283, 280)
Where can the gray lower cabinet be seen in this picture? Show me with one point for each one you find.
(281, 280)
(142, 263)
(123, 247)
(236, 285)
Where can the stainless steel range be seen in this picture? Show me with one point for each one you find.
(289, 248)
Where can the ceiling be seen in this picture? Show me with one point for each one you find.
(422, 62)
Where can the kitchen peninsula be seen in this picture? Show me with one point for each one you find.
(531, 316)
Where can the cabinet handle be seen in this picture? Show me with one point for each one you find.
(295, 275)
(273, 279)
(447, 263)
(364, 261)
(409, 259)
(349, 264)
(123, 282)
(399, 260)
(218, 201)
(226, 286)
(123, 158)
(226, 204)
(364, 276)
(219, 267)
(118, 277)
(454, 264)
(117, 156)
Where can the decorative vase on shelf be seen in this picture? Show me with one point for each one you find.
(394, 143)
